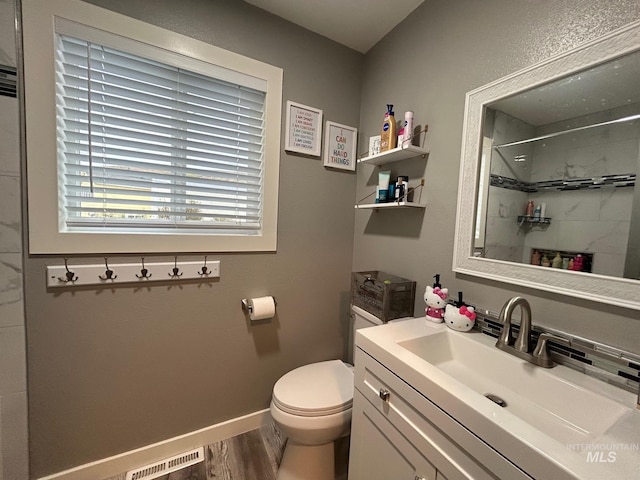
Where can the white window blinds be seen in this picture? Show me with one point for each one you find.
(145, 146)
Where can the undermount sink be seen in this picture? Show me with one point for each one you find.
(546, 399)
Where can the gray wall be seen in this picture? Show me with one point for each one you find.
(13, 378)
(118, 369)
(114, 370)
(427, 64)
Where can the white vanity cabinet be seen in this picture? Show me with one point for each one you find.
(399, 434)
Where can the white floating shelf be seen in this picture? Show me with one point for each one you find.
(394, 155)
(58, 275)
(389, 205)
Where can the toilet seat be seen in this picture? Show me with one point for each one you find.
(317, 389)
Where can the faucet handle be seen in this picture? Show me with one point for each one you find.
(541, 354)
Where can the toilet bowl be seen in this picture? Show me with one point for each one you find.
(312, 406)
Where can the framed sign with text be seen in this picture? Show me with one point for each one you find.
(340, 146)
(304, 129)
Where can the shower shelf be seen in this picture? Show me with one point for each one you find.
(530, 220)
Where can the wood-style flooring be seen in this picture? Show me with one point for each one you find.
(254, 455)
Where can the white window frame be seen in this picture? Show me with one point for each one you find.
(45, 235)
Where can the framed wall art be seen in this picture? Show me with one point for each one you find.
(340, 146)
(304, 129)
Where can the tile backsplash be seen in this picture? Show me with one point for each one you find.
(606, 363)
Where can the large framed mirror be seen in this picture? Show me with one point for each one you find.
(547, 195)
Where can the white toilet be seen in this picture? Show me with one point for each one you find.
(312, 406)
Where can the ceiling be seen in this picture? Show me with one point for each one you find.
(358, 24)
(606, 86)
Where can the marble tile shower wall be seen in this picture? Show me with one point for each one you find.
(13, 385)
(503, 239)
(593, 220)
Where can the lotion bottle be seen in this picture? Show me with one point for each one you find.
(388, 136)
(407, 132)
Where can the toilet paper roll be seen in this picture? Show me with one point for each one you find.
(261, 308)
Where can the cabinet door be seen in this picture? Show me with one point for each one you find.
(379, 452)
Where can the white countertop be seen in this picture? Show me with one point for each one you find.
(535, 452)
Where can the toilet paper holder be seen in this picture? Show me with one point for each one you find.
(249, 308)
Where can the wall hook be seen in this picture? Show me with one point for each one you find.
(108, 274)
(69, 276)
(175, 271)
(204, 271)
(144, 273)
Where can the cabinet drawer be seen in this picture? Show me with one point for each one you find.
(454, 451)
(379, 452)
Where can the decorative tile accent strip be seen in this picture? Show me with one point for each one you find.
(510, 184)
(606, 363)
(624, 180)
(8, 81)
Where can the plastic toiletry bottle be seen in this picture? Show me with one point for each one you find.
(388, 136)
(545, 261)
(536, 213)
(577, 263)
(557, 261)
(407, 131)
(383, 186)
(535, 257)
(399, 193)
(529, 212)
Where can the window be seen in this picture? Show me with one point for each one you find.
(144, 149)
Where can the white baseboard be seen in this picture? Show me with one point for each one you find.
(123, 462)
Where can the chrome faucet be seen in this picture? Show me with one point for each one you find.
(521, 346)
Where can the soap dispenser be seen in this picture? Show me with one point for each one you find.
(436, 298)
(460, 316)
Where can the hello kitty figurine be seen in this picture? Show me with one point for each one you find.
(436, 299)
(461, 319)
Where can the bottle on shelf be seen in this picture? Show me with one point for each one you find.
(577, 263)
(407, 129)
(537, 213)
(529, 211)
(388, 136)
(535, 257)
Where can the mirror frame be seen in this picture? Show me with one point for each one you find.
(600, 288)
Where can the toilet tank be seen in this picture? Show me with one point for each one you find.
(360, 319)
